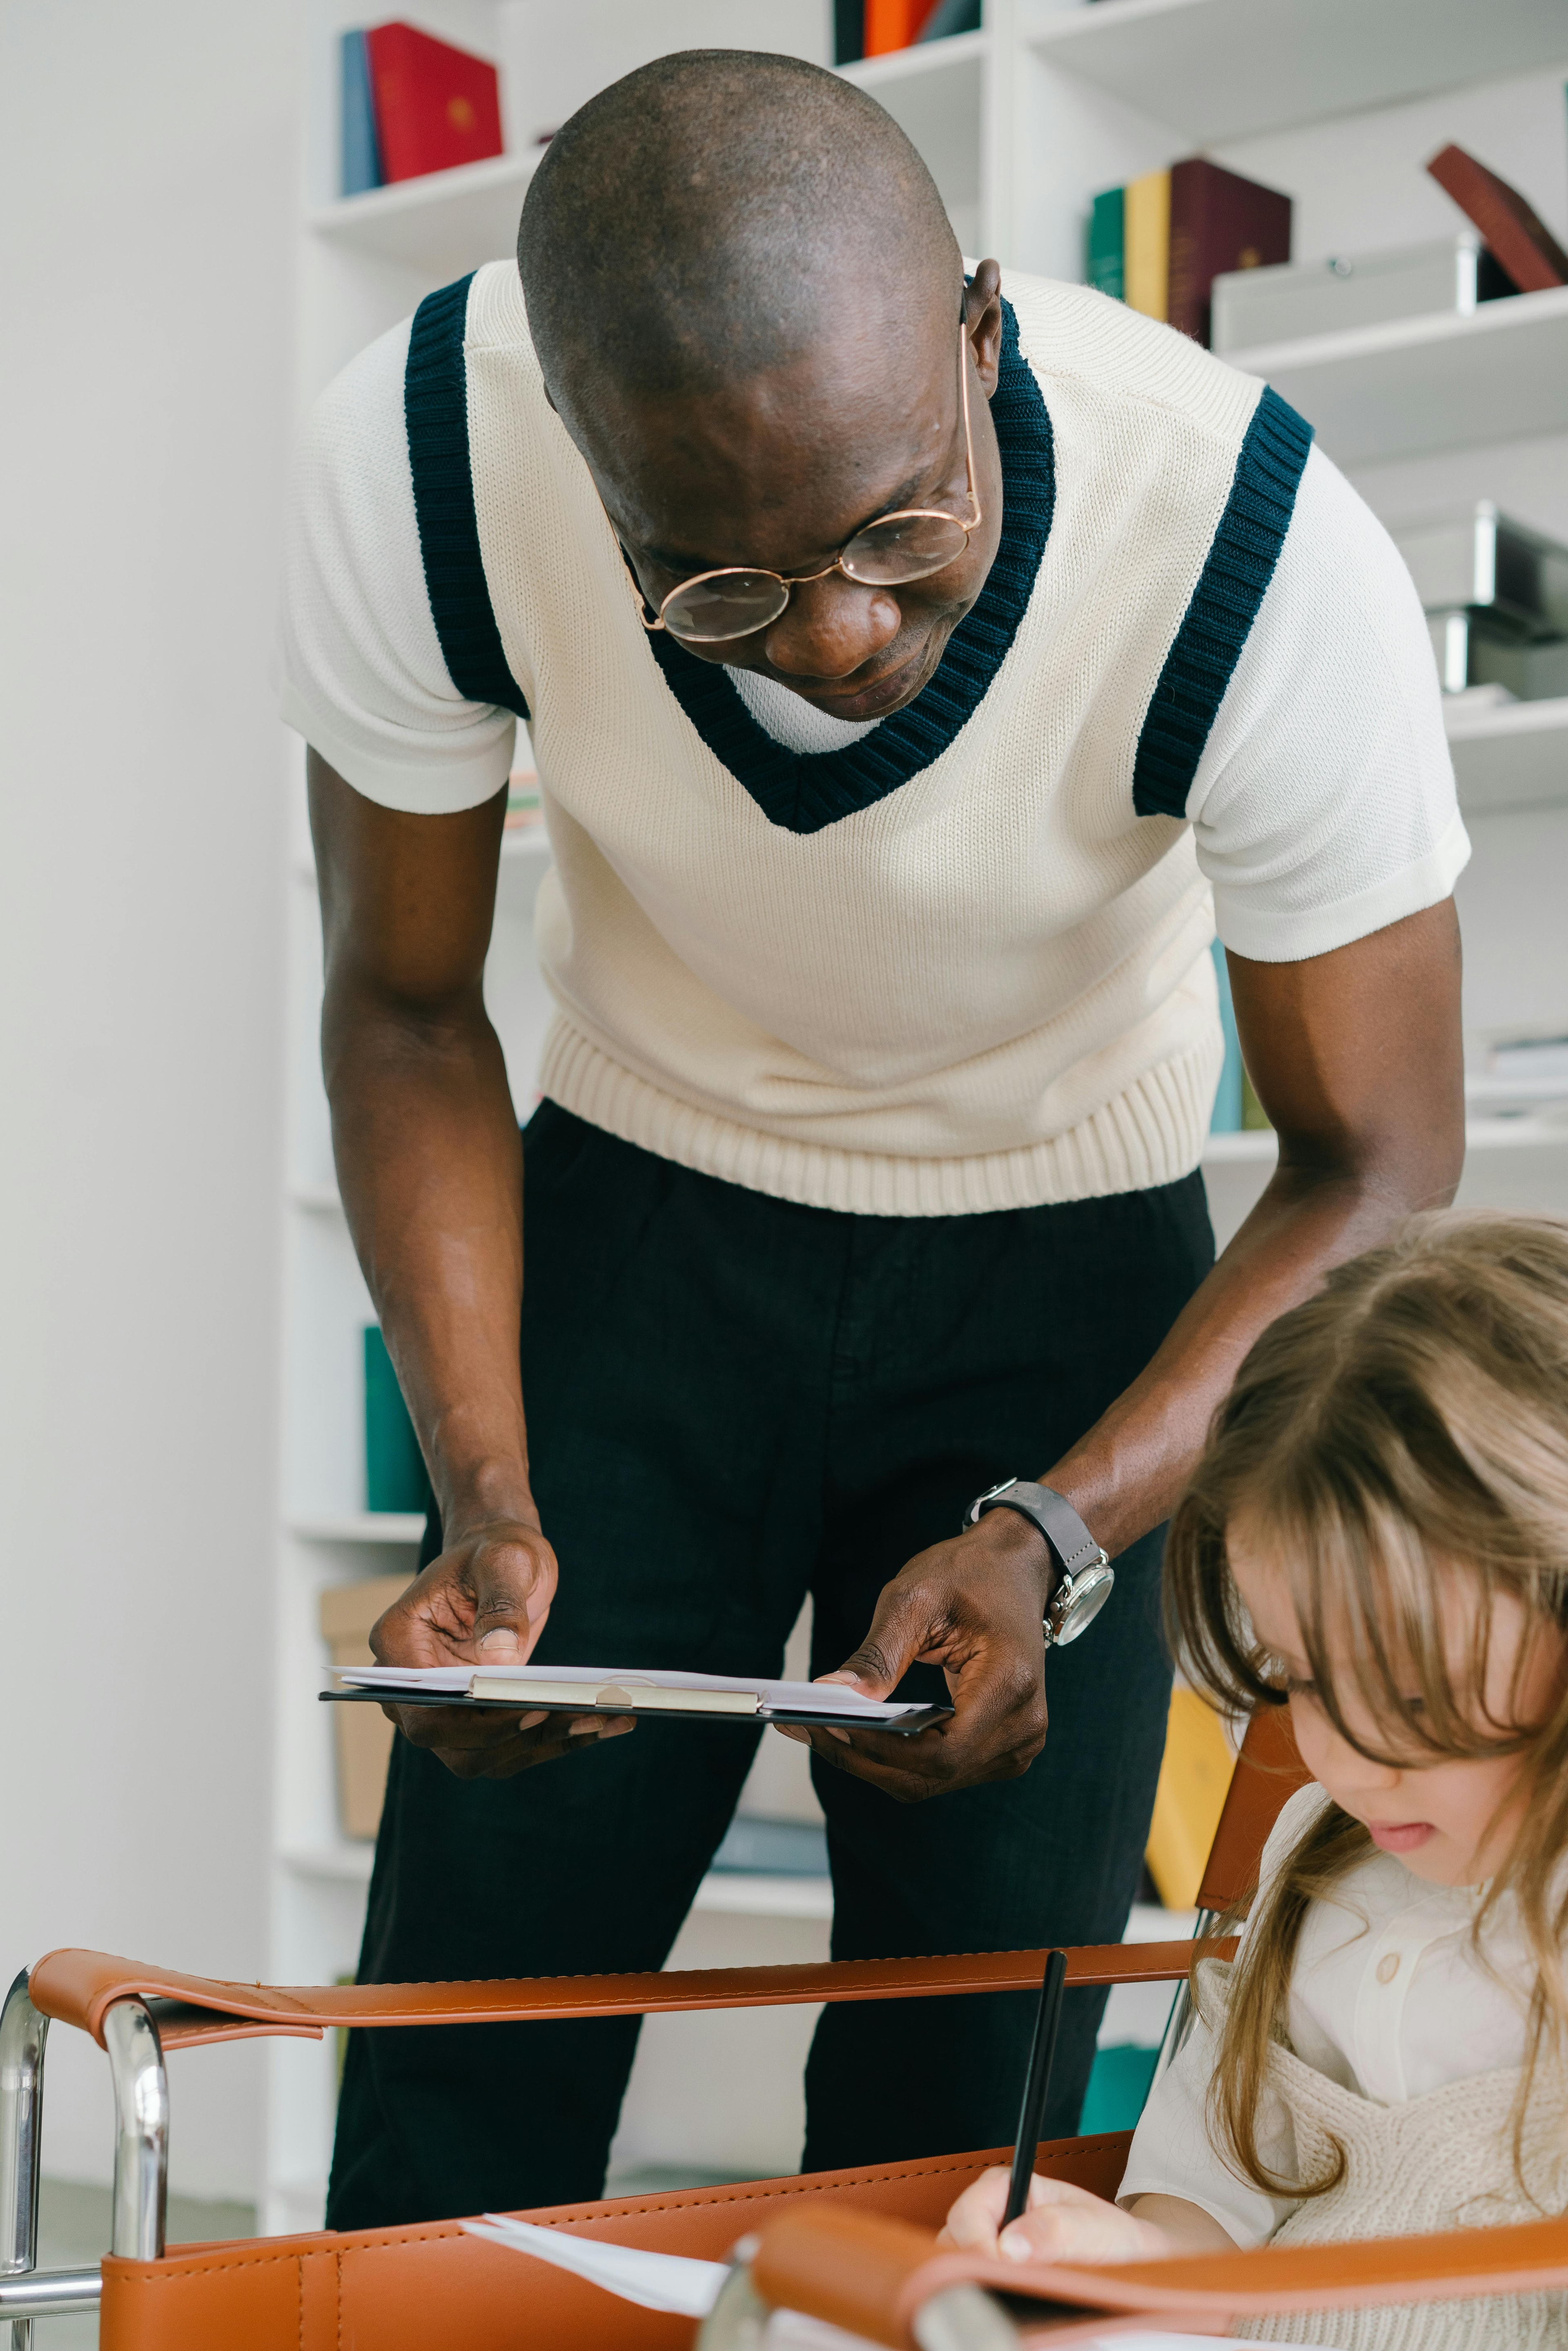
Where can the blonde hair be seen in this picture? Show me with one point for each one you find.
(1410, 1421)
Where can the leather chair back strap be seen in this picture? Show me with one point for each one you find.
(79, 1987)
(1267, 1773)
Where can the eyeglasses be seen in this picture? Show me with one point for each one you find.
(888, 553)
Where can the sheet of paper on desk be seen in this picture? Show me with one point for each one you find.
(708, 1691)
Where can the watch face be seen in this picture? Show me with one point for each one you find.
(1076, 1610)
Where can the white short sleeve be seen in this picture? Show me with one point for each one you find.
(1323, 806)
(363, 677)
(1171, 2152)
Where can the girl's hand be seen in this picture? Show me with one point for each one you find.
(1062, 2223)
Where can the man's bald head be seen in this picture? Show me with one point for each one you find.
(712, 217)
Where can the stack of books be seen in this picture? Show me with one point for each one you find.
(1159, 243)
(412, 104)
(1505, 250)
(874, 28)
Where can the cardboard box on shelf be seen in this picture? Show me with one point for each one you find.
(362, 1733)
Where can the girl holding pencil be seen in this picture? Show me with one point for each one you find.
(1378, 1536)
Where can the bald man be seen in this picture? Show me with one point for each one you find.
(917, 667)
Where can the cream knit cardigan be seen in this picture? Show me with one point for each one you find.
(1442, 2161)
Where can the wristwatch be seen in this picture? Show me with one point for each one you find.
(1087, 1575)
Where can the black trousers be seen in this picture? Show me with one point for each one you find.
(733, 1401)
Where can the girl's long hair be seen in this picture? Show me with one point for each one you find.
(1406, 1426)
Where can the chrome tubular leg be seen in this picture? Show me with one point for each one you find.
(738, 2318)
(142, 2139)
(1183, 2014)
(23, 2033)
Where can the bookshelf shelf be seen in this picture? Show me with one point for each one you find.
(738, 1896)
(317, 1200)
(1260, 1147)
(1229, 69)
(881, 75)
(438, 225)
(1512, 756)
(344, 1864)
(1410, 385)
(400, 1526)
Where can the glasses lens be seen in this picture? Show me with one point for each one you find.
(725, 604)
(904, 546)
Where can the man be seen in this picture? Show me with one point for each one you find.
(907, 660)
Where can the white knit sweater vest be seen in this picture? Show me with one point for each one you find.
(981, 985)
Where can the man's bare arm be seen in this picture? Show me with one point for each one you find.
(430, 1167)
(1356, 1057)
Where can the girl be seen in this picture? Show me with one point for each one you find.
(1378, 1536)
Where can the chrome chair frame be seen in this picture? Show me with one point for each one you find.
(141, 2159)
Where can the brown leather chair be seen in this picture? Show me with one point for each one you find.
(391, 2288)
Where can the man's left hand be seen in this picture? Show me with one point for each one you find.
(974, 1606)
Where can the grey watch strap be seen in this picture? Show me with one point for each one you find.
(1052, 1512)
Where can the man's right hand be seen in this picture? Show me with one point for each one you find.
(483, 1603)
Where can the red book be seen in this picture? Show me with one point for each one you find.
(1522, 242)
(1218, 221)
(435, 106)
(892, 24)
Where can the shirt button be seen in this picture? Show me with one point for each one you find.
(1388, 1967)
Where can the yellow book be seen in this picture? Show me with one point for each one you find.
(1146, 244)
(1194, 1780)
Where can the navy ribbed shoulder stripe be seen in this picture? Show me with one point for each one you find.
(435, 408)
(1223, 605)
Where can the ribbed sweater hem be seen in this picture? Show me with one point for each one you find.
(1151, 1134)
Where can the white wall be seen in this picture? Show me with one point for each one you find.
(146, 222)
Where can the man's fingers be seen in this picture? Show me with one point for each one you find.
(912, 1767)
(908, 1619)
(553, 1736)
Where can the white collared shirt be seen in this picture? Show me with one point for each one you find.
(1389, 1997)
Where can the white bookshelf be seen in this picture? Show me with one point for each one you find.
(1413, 384)
(1229, 69)
(1020, 124)
(1512, 755)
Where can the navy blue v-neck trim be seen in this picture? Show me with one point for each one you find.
(806, 791)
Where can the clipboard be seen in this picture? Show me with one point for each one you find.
(682, 1697)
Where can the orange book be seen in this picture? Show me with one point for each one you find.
(892, 24)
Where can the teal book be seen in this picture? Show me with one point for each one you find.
(361, 154)
(1107, 262)
(1227, 1119)
(394, 1465)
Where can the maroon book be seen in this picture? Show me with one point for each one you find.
(1522, 242)
(1218, 221)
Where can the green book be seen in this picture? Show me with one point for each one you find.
(1106, 270)
(394, 1465)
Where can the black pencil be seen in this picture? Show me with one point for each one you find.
(1042, 2050)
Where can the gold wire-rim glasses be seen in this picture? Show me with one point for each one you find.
(895, 570)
